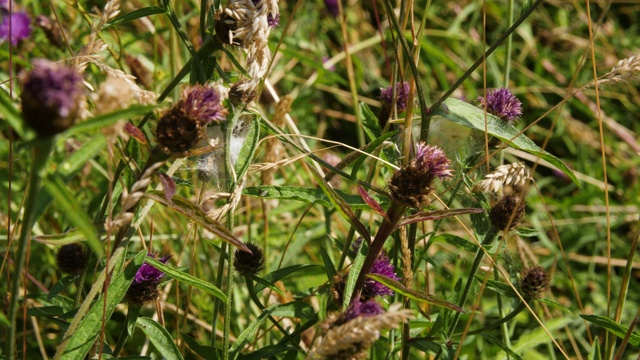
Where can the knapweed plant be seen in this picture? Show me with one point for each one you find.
(249, 179)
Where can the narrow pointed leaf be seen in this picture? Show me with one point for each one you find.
(187, 279)
(436, 215)
(160, 338)
(135, 133)
(248, 333)
(613, 327)
(74, 212)
(373, 204)
(341, 206)
(413, 294)
(101, 121)
(193, 212)
(134, 15)
(350, 286)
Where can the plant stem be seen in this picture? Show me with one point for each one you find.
(488, 239)
(41, 151)
(394, 214)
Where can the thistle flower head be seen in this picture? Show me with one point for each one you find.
(364, 309)
(71, 259)
(50, 97)
(332, 7)
(15, 27)
(144, 287)
(382, 266)
(508, 212)
(402, 92)
(433, 160)
(411, 184)
(534, 281)
(248, 264)
(503, 104)
(203, 103)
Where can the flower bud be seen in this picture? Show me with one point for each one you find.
(248, 264)
(50, 97)
(71, 259)
(533, 282)
(508, 212)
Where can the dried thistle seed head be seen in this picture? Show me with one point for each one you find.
(503, 104)
(249, 264)
(178, 133)
(508, 212)
(411, 184)
(533, 282)
(144, 287)
(71, 259)
(240, 94)
(51, 94)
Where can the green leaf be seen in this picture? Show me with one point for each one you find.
(45, 311)
(594, 354)
(494, 340)
(526, 232)
(413, 294)
(73, 211)
(369, 149)
(132, 317)
(4, 321)
(81, 339)
(207, 352)
(187, 279)
(340, 205)
(294, 309)
(555, 305)
(134, 15)
(9, 112)
(79, 158)
(329, 268)
(70, 237)
(245, 157)
(538, 336)
(160, 338)
(245, 336)
(195, 213)
(613, 327)
(101, 121)
(369, 122)
(456, 241)
(280, 274)
(497, 286)
(472, 117)
(307, 195)
(61, 286)
(271, 352)
(354, 272)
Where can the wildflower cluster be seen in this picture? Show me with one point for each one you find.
(15, 26)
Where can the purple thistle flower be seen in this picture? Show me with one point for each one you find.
(15, 27)
(381, 266)
(273, 21)
(402, 92)
(50, 97)
(364, 309)
(503, 104)
(144, 287)
(432, 159)
(202, 103)
(332, 7)
(148, 274)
